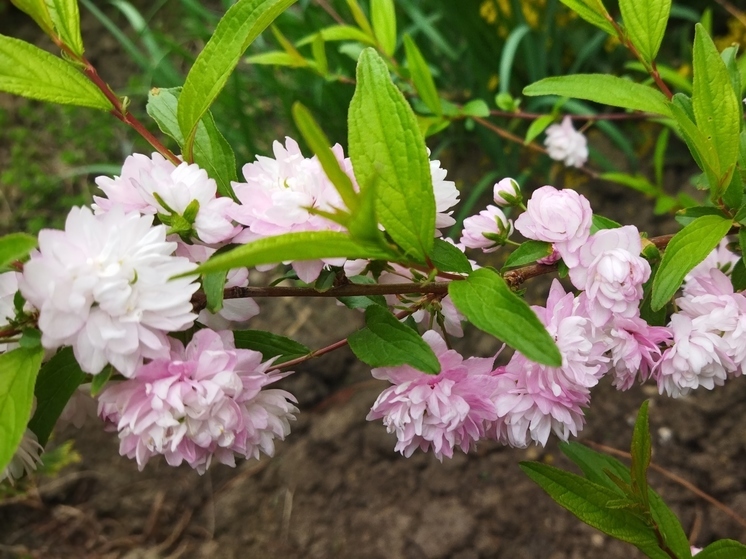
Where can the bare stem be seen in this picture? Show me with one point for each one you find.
(606, 116)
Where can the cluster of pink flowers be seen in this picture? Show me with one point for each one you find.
(203, 401)
(599, 332)
(113, 285)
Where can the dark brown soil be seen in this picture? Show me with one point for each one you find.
(336, 489)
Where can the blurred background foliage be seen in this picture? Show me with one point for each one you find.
(485, 50)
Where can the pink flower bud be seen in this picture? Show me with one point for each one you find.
(507, 193)
(489, 230)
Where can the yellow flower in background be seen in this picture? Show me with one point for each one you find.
(736, 35)
(488, 12)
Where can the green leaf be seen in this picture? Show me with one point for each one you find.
(319, 144)
(58, 380)
(31, 72)
(488, 303)
(386, 342)
(39, 12)
(604, 89)
(362, 301)
(592, 11)
(214, 287)
(339, 33)
(359, 16)
(507, 58)
(715, 103)
(421, 76)
(386, 147)
(270, 345)
(687, 248)
(667, 73)
(527, 253)
(319, 54)
(641, 451)
(293, 246)
(597, 467)
(636, 182)
(238, 28)
(723, 549)
(476, 107)
(449, 258)
(645, 22)
(15, 246)
(659, 157)
(730, 59)
(537, 127)
(599, 222)
(276, 58)
(98, 383)
(383, 17)
(212, 152)
(18, 370)
(287, 46)
(66, 19)
(590, 503)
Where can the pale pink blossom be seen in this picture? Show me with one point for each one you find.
(8, 290)
(698, 357)
(488, 230)
(446, 196)
(206, 401)
(560, 217)
(157, 186)
(566, 144)
(611, 272)
(25, 459)
(507, 192)
(536, 399)
(634, 347)
(103, 287)
(437, 412)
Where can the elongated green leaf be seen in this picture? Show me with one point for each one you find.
(592, 11)
(637, 182)
(14, 247)
(687, 249)
(383, 17)
(590, 503)
(18, 370)
(421, 76)
(98, 383)
(715, 103)
(28, 71)
(447, 257)
(594, 466)
(488, 303)
(293, 246)
(38, 11)
(386, 147)
(386, 342)
(723, 549)
(212, 151)
(600, 222)
(508, 56)
(645, 22)
(66, 19)
(362, 301)
(276, 58)
(270, 345)
(319, 144)
(605, 89)
(359, 16)
(58, 380)
(527, 253)
(319, 54)
(214, 287)
(537, 127)
(242, 23)
(339, 33)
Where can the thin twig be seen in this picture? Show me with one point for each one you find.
(331, 11)
(603, 116)
(732, 10)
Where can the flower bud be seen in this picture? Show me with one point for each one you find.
(507, 193)
(488, 230)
